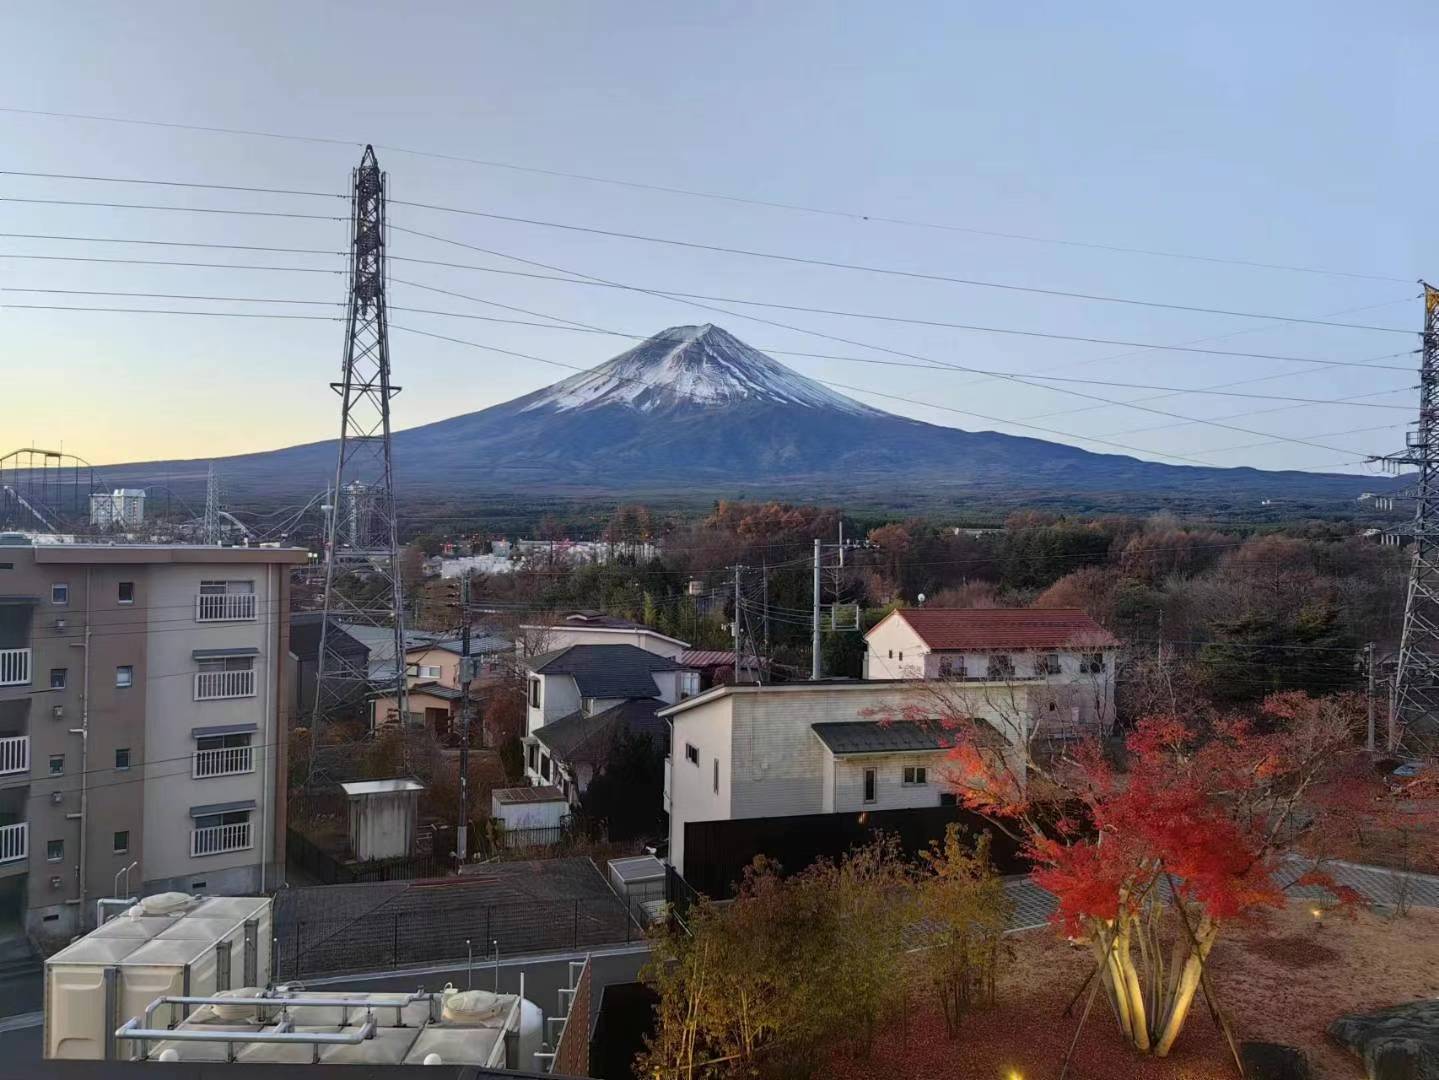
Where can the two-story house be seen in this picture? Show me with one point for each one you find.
(823, 747)
(594, 628)
(581, 698)
(1070, 654)
(432, 666)
(143, 723)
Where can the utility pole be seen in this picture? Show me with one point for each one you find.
(1369, 663)
(1416, 681)
(735, 625)
(814, 665)
(467, 672)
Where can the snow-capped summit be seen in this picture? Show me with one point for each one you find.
(690, 365)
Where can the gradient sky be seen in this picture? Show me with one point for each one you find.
(1282, 133)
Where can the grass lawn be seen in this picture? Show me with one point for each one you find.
(1282, 978)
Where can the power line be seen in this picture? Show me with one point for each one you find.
(170, 262)
(849, 215)
(169, 243)
(722, 249)
(891, 271)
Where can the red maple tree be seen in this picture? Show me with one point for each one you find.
(1151, 857)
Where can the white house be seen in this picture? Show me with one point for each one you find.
(830, 746)
(1070, 654)
(594, 628)
(581, 698)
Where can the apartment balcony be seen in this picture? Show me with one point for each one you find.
(216, 685)
(225, 607)
(224, 761)
(14, 667)
(14, 843)
(14, 754)
(218, 839)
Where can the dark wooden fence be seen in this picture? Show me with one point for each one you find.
(716, 852)
(318, 863)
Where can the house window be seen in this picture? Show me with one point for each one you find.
(534, 757)
(122, 758)
(716, 776)
(125, 594)
(1001, 666)
(534, 693)
(1091, 664)
(429, 671)
(545, 766)
(60, 593)
(869, 785)
(125, 675)
(901, 654)
(54, 850)
(891, 654)
(1046, 664)
(57, 678)
(692, 753)
(57, 764)
(915, 775)
(122, 842)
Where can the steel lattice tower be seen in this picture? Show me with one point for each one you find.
(212, 528)
(1416, 688)
(362, 570)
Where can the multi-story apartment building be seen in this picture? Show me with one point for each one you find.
(143, 719)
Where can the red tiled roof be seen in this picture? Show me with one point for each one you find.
(706, 658)
(981, 629)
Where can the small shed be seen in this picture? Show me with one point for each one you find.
(640, 882)
(529, 807)
(383, 816)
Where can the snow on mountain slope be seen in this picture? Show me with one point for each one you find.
(691, 365)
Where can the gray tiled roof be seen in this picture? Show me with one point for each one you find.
(606, 671)
(578, 737)
(876, 737)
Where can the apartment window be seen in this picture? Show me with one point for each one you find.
(534, 693)
(225, 601)
(716, 776)
(870, 778)
(226, 831)
(122, 842)
(227, 663)
(57, 764)
(125, 675)
(122, 758)
(222, 742)
(1001, 666)
(125, 594)
(57, 678)
(692, 753)
(1046, 664)
(59, 593)
(915, 775)
(227, 588)
(225, 677)
(54, 850)
(1091, 664)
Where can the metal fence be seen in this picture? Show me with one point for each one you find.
(401, 938)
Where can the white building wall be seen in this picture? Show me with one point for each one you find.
(559, 696)
(559, 637)
(891, 793)
(709, 728)
(171, 713)
(895, 651)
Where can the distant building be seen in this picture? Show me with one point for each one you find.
(1071, 654)
(716, 666)
(144, 707)
(596, 628)
(305, 661)
(433, 680)
(123, 508)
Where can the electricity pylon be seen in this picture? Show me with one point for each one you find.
(362, 566)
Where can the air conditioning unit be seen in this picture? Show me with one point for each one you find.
(57, 712)
(57, 797)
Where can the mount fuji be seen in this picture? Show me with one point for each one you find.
(693, 411)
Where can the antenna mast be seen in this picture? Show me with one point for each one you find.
(362, 566)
